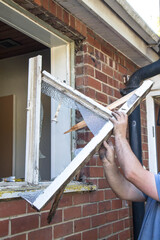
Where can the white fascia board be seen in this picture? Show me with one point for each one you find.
(111, 27)
(156, 81)
(17, 17)
(122, 30)
(133, 19)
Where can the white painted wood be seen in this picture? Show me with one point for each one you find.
(77, 96)
(33, 121)
(19, 18)
(152, 148)
(83, 157)
(14, 137)
(60, 68)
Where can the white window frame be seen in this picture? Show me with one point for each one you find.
(57, 186)
(151, 130)
(60, 57)
(32, 26)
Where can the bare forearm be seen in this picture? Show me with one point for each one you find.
(126, 158)
(122, 188)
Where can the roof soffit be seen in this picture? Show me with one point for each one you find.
(122, 30)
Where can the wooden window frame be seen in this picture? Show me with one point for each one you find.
(58, 185)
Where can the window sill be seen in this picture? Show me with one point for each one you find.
(13, 190)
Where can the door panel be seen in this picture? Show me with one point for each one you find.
(6, 135)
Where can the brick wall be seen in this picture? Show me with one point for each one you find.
(95, 215)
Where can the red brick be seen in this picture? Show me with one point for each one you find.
(92, 161)
(102, 183)
(11, 208)
(110, 81)
(116, 93)
(123, 213)
(74, 237)
(127, 223)
(63, 229)
(60, 12)
(90, 235)
(56, 219)
(80, 198)
(79, 82)
(109, 194)
(89, 209)
(82, 224)
(98, 220)
(96, 172)
(89, 70)
(93, 83)
(19, 237)
(78, 25)
(89, 59)
(72, 21)
(99, 55)
(113, 237)
(90, 49)
(97, 196)
(117, 203)
(53, 8)
(104, 206)
(66, 17)
(90, 39)
(72, 213)
(45, 4)
(125, 235)
(118, 226)
(84, 30)
(79, 59)
(111, 216)
(107, 70)
(66, 200)
(111, 63)
(107, 49)
(79, 70)
(101, 97)
(107, 90)
(105, 231)
(101, 76)
(22, 224)
(4, 226)
(41, 234)
(39, 2)
(122, 70)
(90, 92)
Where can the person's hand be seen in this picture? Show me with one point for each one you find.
(120, 122)
(106, 153)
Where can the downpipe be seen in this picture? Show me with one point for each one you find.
(134, 123)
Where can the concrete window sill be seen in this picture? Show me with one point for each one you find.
(12, 190)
